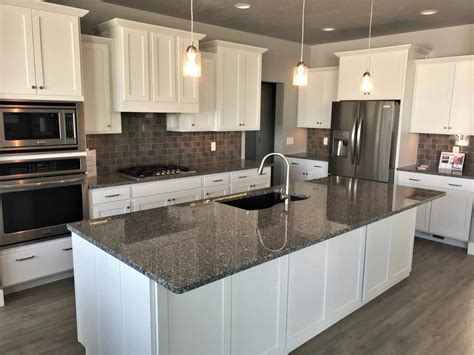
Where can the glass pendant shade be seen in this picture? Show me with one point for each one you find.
(300, 75)
(192, 62)
(366, 85)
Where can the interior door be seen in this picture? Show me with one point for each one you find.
(17, 64)
(57, 54)
(343, 131)
(374, 139)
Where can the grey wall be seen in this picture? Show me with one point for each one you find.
(444, 42)
(277, 64)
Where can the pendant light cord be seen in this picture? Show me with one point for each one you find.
(370, 32)
(192, 23)
(302, 31)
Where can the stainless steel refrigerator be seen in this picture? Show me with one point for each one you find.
(364, 139)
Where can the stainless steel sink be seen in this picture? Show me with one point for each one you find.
(260, 202)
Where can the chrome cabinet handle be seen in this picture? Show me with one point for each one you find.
(445, 127)
(218, 180)
(109, 125)
(33, 86)
(318, 166)
(27, 258)
(294, 163)
(114, 195)
(411, 179)
(242, 177)
(67, 249)
(455, 185)
(41, 87)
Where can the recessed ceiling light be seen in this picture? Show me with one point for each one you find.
(428, 12)
(328, 29)
(242, 6)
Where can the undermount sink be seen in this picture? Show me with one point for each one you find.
(260, 202)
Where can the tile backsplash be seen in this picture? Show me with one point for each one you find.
(430, 147)
(315, 143)
(145, 140)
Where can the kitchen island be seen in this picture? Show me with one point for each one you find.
(210, 278)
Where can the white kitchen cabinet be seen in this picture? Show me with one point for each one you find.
(423, 217)
(185, 196)
(110, 209)
(388, 71)
(150, 202)
(305, 169)
(444, 96)
(315, 100)
(204, 119)
(98, 112)
(250, 185)
(389, 250)
(147, 68)
(216, 191)
(41, 55)
(238, 87)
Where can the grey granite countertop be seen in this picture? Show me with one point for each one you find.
(116, 179)
(467, 173)
(309, 156)
(187, 246)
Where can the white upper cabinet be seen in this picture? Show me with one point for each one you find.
(41, 54)
(444, 96)
(238, 90)
(315, 100)
(388, 71)
(147, 65)
(99, 116)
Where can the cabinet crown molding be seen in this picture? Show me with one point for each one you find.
(225, 44)
(46, 6)
(406, 47)
(118, 22)
(445, 59)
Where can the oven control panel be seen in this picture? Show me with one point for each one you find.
(39, 167)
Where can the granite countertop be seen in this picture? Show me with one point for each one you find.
(309, 156)
(467, 173)
(117, 179)
(187, 246)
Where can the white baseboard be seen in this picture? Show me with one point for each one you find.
(470, 248)
(38, 282)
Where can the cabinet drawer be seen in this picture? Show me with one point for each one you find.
(435, 182)
(216, 191)
(110, 195)
(216, 179)
(251, 174)
(161, 187)
(30, 262)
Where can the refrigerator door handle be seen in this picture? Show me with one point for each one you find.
(353, 140)
(359, 139)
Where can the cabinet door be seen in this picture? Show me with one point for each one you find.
(423, 215)
(451, 215)
(17, 64)
(185, 196)
(310, 101)
(99, 117)
(57, 54)
(228, 90)
(432, 97)
(462, 111)
(251, 87)
(110, 209)
(150, 202)
(135, 75)
(345, 273)
(204, 120)
(216, 191)
(329, 94)
(188, 87)
(163, 67)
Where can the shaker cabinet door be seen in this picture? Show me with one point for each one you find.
(188, 87)
(163, 67)
(251, 88)
(17, 63)
(462, 110)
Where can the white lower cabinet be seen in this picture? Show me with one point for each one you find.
(250, 185)
(216, 191)
(110, 209)
(149, 202)
(305, 169)
(185, 196)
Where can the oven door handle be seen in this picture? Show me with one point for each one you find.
(40, 184)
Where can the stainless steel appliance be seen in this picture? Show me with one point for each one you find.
(40, 194)
(33, 126)
(364, 139)
(146, 171)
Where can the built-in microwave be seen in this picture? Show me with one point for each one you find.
(37, 126)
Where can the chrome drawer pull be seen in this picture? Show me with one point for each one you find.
(218, 180)
(294, 163)
(114, 195)
(27, 258)
(417, 180)
(318, 166)
(455, 185)
(242, 177)
(67, 249)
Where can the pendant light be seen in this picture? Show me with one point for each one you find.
(300, 73)
(192, 57)
(366, 85)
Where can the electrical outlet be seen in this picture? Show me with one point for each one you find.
(213, 146)
(325, 141)
(289, 140)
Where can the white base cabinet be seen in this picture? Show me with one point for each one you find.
(304, 169)
(271, 308)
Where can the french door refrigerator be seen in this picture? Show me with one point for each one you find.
(363, 139)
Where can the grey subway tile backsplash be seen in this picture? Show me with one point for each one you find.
(315, 144)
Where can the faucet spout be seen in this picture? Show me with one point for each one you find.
(286, 194)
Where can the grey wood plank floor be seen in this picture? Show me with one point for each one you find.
(431, 312)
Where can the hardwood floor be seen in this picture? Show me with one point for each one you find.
(430, 312)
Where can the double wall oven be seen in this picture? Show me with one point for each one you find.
(43, 184)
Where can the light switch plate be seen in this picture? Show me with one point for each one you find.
(289, 140)
(213, 146)
(325, 141)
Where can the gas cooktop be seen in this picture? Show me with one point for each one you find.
(149, 171)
